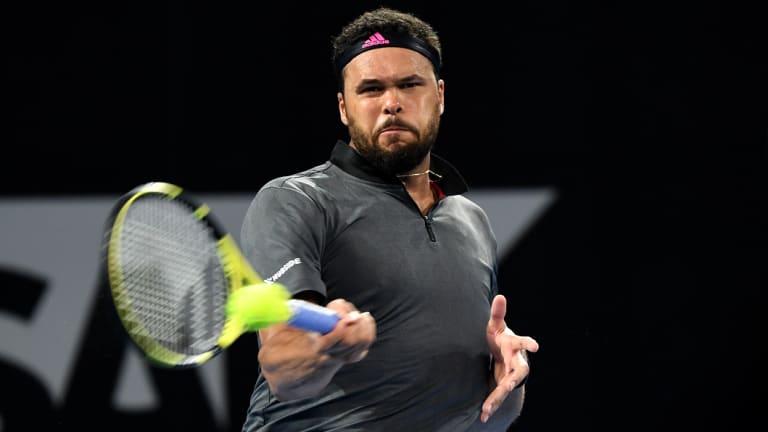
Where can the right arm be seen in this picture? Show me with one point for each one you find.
(282, 226)
(298, 363)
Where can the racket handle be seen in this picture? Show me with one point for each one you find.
(310, 316)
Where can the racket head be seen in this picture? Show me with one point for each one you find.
(171, 269)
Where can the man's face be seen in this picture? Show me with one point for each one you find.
(392, 105)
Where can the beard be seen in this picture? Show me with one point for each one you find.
(404, 158)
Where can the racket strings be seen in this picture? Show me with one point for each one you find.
(174, 281)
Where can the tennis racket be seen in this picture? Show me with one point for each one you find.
(181, 286)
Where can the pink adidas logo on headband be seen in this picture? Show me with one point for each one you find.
(376, 39)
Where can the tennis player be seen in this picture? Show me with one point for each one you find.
(382, 233)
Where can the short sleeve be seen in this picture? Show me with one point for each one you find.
(282, 237)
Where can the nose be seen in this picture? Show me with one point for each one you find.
(392, 105)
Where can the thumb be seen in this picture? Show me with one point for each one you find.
(496, 323)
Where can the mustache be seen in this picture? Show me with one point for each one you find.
(395, 121)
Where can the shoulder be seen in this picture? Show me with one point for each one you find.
(306, 180)
(308, 190)
(315, 184)
(467, 213)
(466, 205)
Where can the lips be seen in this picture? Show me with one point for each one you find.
(395, 129)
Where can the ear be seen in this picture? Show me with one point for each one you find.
(441, 94)
(342, 108)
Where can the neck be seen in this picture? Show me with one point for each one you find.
(416, 174)
(417, 183)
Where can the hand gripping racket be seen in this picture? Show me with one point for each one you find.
(181, 286)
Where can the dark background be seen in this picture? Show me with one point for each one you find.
(643, 283)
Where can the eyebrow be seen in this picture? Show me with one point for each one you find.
(376, 81)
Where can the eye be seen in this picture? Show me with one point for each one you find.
(371, 89)
(411, 83)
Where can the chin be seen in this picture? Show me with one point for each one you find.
(391, 140)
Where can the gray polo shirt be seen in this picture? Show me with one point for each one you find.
(344, 231)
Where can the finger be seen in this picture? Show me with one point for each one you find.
(355, 331)
(493, 402)
(335, 336)
(514, 344)
(516, 375)
(528, 343)
(498, 312)
(499, 308)
(341, 306)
